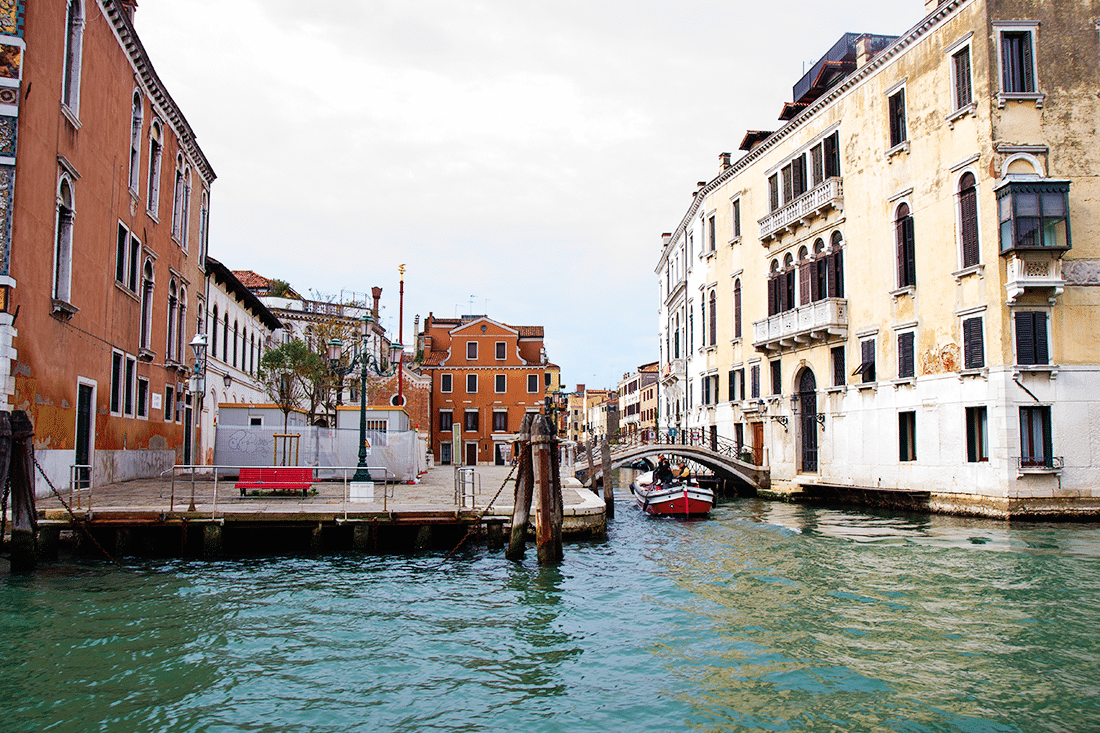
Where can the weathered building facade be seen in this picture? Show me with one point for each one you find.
(485, 376)
(105, 201)
(897, 288)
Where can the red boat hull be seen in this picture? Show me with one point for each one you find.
(680, 500)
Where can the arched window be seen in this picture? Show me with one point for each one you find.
(907, 256)
(737, 308)
(252, 355)
(74, 43)
(204, 224)
(136, 117)
(968, 219)
(236, 338)
(805, 276)
(170, 345)
(773, 289)
(185, 214)
(181, 325)
(225, 339)
(156, 147)
(713, 324)
(177, 198)
(63, 243)
(146, 305)
(214, 333)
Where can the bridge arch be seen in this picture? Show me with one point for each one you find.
(724, 466)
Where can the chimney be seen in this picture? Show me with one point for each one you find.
(666, 238)
(863, 49)
(723, 161)
(376, 293)
(128, 7)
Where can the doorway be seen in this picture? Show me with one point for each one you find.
(758, 443)
(445, 453)
(471, 453)
(807, 401)
(84, 399)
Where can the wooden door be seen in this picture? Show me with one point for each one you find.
(758, 443)
(471, 454)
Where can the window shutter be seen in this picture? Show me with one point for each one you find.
(788, 291)
(973, 347)
(755, 377)
(788, 183)
(1026, 73)
(910, 251)
(1042, 355)
(905, 354)
(737, 309)
(832, 155)
(773, 307)
(899, 233)
(1025, 338)
(773, 191)
(713, 318)
(804, 282)
(815, 282)
(968, 204)
(1007, 55)
(732, 384)
(963, 91)
(818, 164)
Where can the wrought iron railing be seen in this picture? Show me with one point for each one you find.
(1024, 463)
(695, 437)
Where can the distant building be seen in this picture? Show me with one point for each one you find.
(631, 391)
(897, 288)
(485, 376)
(103, 236)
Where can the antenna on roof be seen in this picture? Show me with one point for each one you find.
(472, 304)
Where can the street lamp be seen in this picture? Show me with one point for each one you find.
(197, 387)
(365, 361)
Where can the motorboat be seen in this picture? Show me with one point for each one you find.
(680, 498)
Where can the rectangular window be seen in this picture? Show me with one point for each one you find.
(116, 382)
(906, 365)
(773, 191)
(798, 177)
(907, 436)
(501, 348)
(471, 420)
(832, 155)
(898, 134)
(1035, 442)
(532, 383)
(500, 422)
(839, 379)
(120, 254)
(1034, 215)
(471, 384)
(736, 218)
(1017, 63)
(135, 250)
(446, 419)
(907, 248)
(788, 183)
(777, 377)
(732, 384)
(977, 435)
(142, 397)
(960, 70)
(973, 344)
(500, 383)
(445, 382)
(706, 390)
(1031, 337)
(754, 377)
(129, 386)
(471, 350)
(169, 403)
(712, 236)
(817, 164)
(866, 368)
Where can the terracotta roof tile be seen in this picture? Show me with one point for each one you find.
(434, 358)
(529, 331)
(251, 280)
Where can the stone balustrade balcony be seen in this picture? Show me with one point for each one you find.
(815, 203)
(820, 320)
(1033, 272)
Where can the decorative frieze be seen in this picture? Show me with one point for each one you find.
(1081, 272)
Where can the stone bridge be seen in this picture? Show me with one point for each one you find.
(714, 454)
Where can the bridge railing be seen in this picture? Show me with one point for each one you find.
(695, 437)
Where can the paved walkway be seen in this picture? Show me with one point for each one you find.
(434, 491)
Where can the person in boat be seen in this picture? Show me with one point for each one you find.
(684, 473)
(663, 474)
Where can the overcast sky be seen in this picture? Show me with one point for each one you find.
(521, 158)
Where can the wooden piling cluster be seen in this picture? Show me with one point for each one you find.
(538, 479)
(17, 464)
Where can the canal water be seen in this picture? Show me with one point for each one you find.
(768, 616)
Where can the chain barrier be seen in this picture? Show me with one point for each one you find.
(481, 516)
(81, 523)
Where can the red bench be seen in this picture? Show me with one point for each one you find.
(275, 479)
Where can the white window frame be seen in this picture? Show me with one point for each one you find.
(117, 373)
(446, 383)
(958, 218)
(468, 383)
(71, 66)
(63, 241)
(137, 121)
(156, 155)
(474, 350)
(902, 146)
(138, 412)
(535, 377)
(497, 379)
(495, 349)
(1018, 26)
(963, 44)
(1050, 335)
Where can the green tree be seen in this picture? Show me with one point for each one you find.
(287, 373)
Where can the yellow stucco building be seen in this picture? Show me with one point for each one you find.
(897, 288)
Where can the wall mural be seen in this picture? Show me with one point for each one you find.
(11, 20)
(11, 58)
(7, 195)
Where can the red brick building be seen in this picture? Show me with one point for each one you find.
(485, 376)
(104, 196)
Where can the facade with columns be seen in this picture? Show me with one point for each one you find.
(897, 287)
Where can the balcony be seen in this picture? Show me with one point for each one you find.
(821, 320)
(803, 210)
(1035, 272)
(673, 371)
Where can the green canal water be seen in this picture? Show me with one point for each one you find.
(767, 617)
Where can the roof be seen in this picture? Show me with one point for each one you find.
(233, 286)
(529, 331)
(434, 358)
(260, 284)
(752, 137)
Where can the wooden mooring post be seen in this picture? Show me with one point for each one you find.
(608, 484)
(538, 479)
(591, 448)
(17, 461)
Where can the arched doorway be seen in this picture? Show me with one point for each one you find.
(807, 400)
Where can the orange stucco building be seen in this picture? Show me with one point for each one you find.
(485, 376)
(106, 195)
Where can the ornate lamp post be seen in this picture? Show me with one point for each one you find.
(197, 387)
(365, 361)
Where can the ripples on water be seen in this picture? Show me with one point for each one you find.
(766, 617)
